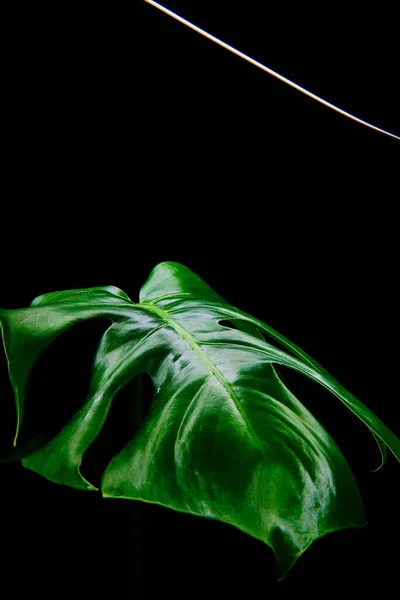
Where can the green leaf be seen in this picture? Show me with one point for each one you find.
(224, 438)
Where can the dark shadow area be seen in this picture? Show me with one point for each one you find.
(128, 410)
(8, 415)
(59, 381)
(350, 434)
(194, 553)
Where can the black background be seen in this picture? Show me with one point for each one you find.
(129, 140)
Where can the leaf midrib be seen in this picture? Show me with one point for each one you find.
(203, 357)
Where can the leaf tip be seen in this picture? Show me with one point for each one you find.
(18, 427)
(379, 468)
(283, 566)
(91, 488)
(85, 484)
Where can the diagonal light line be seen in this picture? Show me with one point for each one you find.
(267, 69)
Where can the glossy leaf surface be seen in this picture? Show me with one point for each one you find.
(224, 438)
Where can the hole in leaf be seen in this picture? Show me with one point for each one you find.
(59, 381)
(347, 430)
(229, 324)
(251, 329)
(245, 326)
(128, 411)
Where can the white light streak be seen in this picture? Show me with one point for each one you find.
(267, 69)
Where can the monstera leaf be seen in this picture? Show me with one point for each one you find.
(224, 437)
